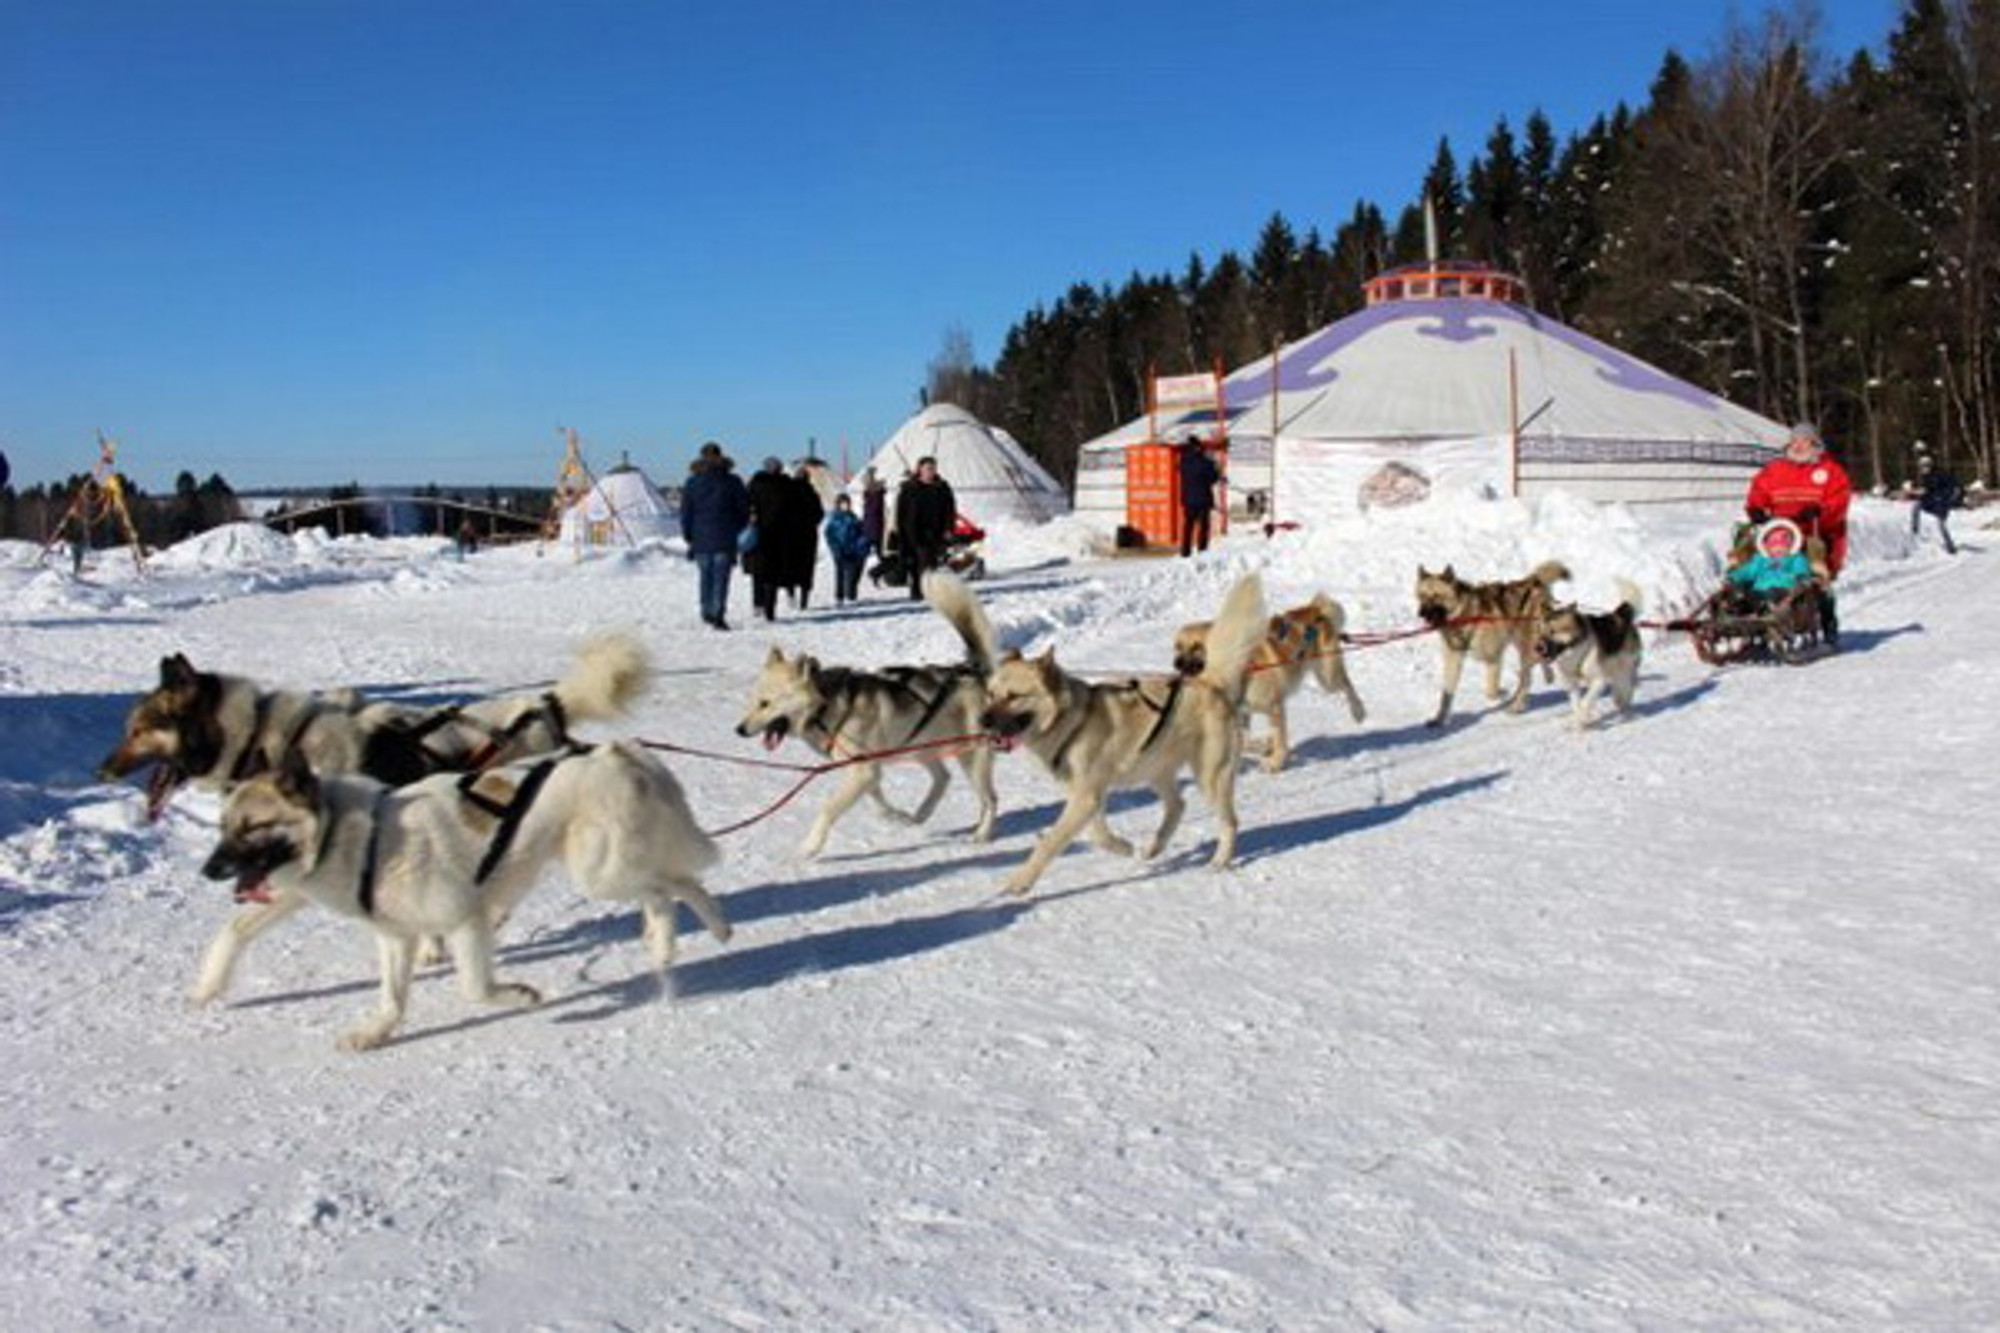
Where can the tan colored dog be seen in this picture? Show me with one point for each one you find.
(1485, 620)
(1099, 737)
(1302, 640)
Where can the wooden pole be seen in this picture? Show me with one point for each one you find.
(1513, 426)
(1271, 501)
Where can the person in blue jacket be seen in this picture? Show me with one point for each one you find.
(715, 509)
(1778, 566)
(847, 541)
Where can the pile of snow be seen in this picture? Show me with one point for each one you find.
(231, 546)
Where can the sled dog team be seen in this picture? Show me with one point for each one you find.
(429, 826)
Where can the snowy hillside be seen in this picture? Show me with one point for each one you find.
(1686, 1022)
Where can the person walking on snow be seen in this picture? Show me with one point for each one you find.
(715, 508)
(1198, 480)
(926, 508)
(1940, 494)
(848, 545)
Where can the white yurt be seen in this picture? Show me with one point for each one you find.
(621, 508)
(991, 475)
(1447, 381)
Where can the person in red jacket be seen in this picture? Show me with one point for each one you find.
(1809, 488)
(1806, 486)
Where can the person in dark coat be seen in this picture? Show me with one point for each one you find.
(715, 509)
(1940, 494)
(802, 514)
(764, 561)
(874, 510)
(925, 512)
(1198, 479)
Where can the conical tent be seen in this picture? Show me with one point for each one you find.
(992, 476)
(1468, 393)
(621, 507)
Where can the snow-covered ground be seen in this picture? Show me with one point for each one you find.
(1688, 1022)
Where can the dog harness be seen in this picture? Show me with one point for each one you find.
(510, 813)
(847, 683)
(251, 761)
(369, 860)
(497, 738)
(1059, 761)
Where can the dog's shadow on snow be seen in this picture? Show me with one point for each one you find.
(1253, 844)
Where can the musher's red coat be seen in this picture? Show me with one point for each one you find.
(1785, 489)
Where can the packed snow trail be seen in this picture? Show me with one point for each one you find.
(1682, 1022)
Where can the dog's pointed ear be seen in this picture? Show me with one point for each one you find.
(1448, 575)
(177, 670)
(296, 778)
(808, 664)
(1046, 664)
(775, 657)
(1011, 655)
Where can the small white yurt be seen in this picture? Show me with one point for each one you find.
(1447, 381)
(991, 475)
(622, 508)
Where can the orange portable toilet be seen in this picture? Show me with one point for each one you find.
(1153, 492)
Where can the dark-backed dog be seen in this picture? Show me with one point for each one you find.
(452, 854)
(214, 730)
(1483, 620)
(845, 711)
(1305, 639)
(1594, 652)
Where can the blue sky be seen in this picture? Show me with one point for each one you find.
(300, 241)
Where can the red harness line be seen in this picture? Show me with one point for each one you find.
(953, 744)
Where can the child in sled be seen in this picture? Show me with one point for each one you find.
(1777, 568)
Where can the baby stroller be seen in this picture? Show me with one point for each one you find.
(963, 556)
(1786, 626)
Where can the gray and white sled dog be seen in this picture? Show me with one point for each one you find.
(453, 853)
(213, 730)
(1594, 652)
(1485, 620)
(1305, 639)
(1097, 737)
(846, 711)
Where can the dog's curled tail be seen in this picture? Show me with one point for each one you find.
(1325, 605)
(951, 597)
(1629, 595)
(1550, 571)
(1234, 635)
(610, 671)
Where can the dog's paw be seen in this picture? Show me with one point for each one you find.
(202, 995)
(513, 995)
(364, 1038)
(1017, 885)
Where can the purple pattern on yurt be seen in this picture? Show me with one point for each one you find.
(1457, 320)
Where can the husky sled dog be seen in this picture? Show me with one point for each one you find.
(1484, 620)
(199, 726)
(1592, 652)
(213, 730)
(1097, 737)
(844, 711)
(1305, 639)
(453, 853)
